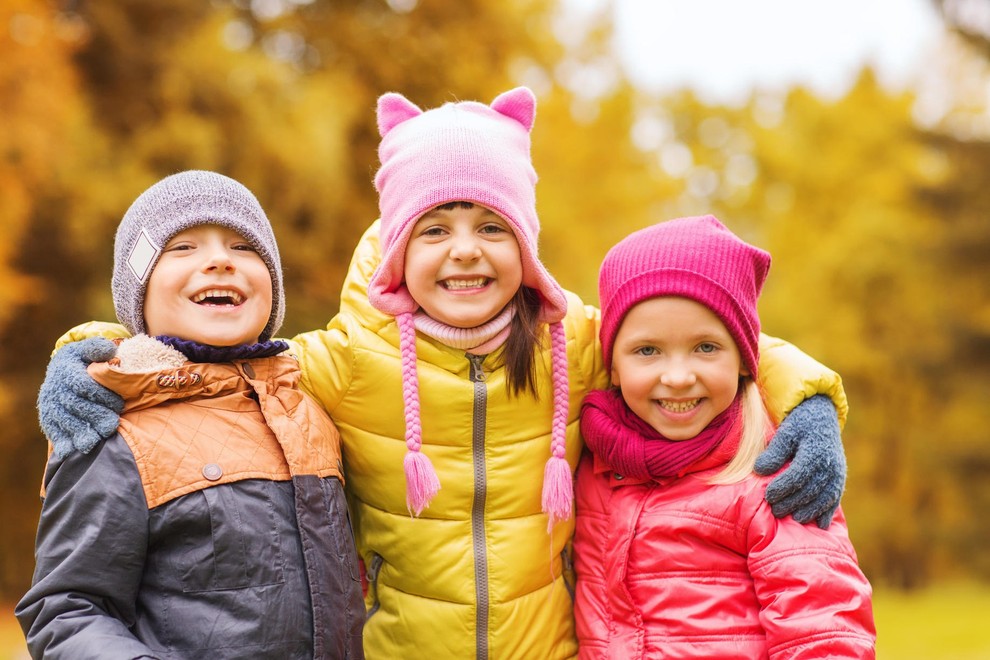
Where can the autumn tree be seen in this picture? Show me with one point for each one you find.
(49, 171)
(103, 98)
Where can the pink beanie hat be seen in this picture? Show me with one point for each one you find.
(696, 258)
(469, 152)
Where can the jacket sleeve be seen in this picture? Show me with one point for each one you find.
(90, 554)
(92, 329)
(815, 601)
(325, 356)
(788, 376)
(325, 362)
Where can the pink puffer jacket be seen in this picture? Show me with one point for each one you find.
(686, 569)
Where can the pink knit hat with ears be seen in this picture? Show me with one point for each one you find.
(459, 152)
(696, 258)
(469, 152)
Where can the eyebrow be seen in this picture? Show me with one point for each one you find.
(649, 334)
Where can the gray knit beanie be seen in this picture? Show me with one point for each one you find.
(172, 205)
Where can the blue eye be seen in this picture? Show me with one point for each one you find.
(707, 348)
(646, 351)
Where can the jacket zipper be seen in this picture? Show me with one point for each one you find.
(568, 572)
(479, 422)
(371, 574)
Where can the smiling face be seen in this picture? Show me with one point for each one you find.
(209, 286)
(462, 264)
(676, 364)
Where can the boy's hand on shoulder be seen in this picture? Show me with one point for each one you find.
(76, 412)
(811, 487)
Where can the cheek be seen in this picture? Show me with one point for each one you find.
(264, 278)
(514, 263)
(409, 270)
(158, 285)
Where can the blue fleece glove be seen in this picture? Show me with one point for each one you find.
(810, 488)
(76, 412)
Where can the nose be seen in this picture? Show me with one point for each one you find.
(219, 258)
(678, 374)
(465, 247)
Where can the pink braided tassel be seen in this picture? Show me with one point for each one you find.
(558, 491)
(422, 483)
(558, 483)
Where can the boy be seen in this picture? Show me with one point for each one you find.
(214, 523)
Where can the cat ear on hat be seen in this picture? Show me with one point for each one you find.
(518, 104)
(393, 109)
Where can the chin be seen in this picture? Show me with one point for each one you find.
(457, 322)
(678, 434)
(226, 342)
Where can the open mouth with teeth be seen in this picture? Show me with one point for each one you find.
(218, 297)
(678, 406)
(474, 283)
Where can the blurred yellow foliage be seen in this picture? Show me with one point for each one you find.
(879, 230)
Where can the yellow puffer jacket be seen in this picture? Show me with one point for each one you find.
(476, 575)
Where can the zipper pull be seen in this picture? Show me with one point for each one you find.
(371, 573)
(478, 374)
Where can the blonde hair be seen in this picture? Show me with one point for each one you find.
(757, 427)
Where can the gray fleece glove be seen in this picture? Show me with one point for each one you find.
(810, 488)
(76, 412)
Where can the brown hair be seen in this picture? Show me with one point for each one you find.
(519, 355)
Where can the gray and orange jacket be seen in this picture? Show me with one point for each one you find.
(213, 524)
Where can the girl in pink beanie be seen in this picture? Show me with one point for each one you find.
(677, 552)
(455, 371)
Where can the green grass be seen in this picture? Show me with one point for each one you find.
(948, 622)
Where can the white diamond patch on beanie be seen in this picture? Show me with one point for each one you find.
(143, 256)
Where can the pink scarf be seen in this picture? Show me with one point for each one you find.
(632, 447)
(480, 340)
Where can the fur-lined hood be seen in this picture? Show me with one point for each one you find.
(142, 354)
(147, 372)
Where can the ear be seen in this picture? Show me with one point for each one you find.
(615, 376)
(518, 104)
(393, 109)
